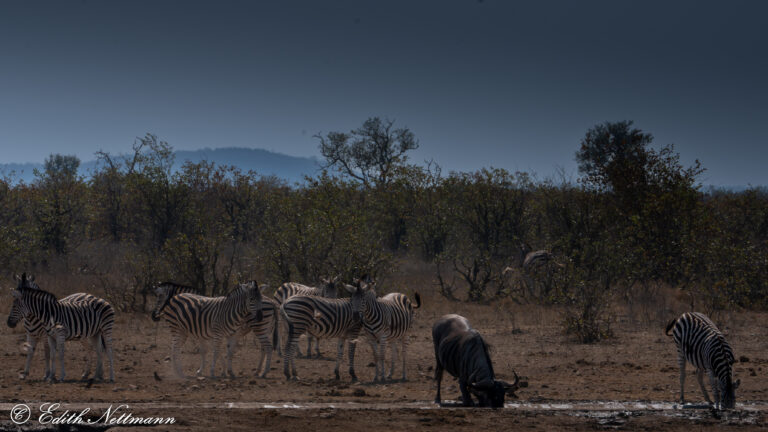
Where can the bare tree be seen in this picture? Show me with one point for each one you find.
(371, 154)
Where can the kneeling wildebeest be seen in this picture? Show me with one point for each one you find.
(461, 351)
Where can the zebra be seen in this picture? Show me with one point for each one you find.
(289, 289)
(700, 342)
(35, 332)
(385, 319)
(261, 328)
(90, 318)
(321, 318)
(211, 319)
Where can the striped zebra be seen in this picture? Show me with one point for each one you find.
(90, 318)
(287, 290)
(35, 332)
(321, 318)
(261, 328)
(700, 342)
(386, 319)
(210, 320)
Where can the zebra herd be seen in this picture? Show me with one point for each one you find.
(301, 310)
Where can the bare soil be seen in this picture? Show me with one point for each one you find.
(637, 364)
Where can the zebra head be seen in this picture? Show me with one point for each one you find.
(26, 281)
(328, 287)
(255, 298)
(164, 291)
(29, 303)
(363, 293)
(16, 313)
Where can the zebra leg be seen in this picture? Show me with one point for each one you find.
(375, 351)
(700, 379)
(383, 357)
(289, 352)
(266, 352)
(106, 339)
(50, 364)
(317, 348)
(177, 340)
(393, 353)
(715, 389)
(203, 347)
(94, 340)
(403, 348)
(231, 344)
(216, 349)
(309, 346)
(339, 357)
(681, 363)
(352, 345)
(31, 343)
(60, 343)
(99, 348)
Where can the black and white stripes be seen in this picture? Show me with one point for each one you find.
(287, 290)
(91, 318)
(211, 319)
(700, 342)
(321, 318)
(386, 319)
(265, 329)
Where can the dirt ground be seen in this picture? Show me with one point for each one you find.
(637, 364)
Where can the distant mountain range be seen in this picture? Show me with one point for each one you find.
(263, 162)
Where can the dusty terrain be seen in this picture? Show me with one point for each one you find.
(637, 364)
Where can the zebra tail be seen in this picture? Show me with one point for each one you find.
(288, 321)
(275, 329)
(670, 324)
(418, 300)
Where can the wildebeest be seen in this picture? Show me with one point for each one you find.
(461, 351)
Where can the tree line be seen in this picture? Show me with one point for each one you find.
(635, 219)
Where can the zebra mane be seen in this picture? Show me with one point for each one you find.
(177, 285)
(243, 287)
(38, 292)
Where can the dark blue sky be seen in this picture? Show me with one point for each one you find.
(491, 83)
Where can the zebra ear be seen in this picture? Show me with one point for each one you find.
(262, 287)
(351, 289)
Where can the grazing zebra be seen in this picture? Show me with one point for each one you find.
(385, 319)
(91, 318)
(321, 318)
(211, 319)
(35, 331)
(289, 289)
(700, 342)
(261, 328)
